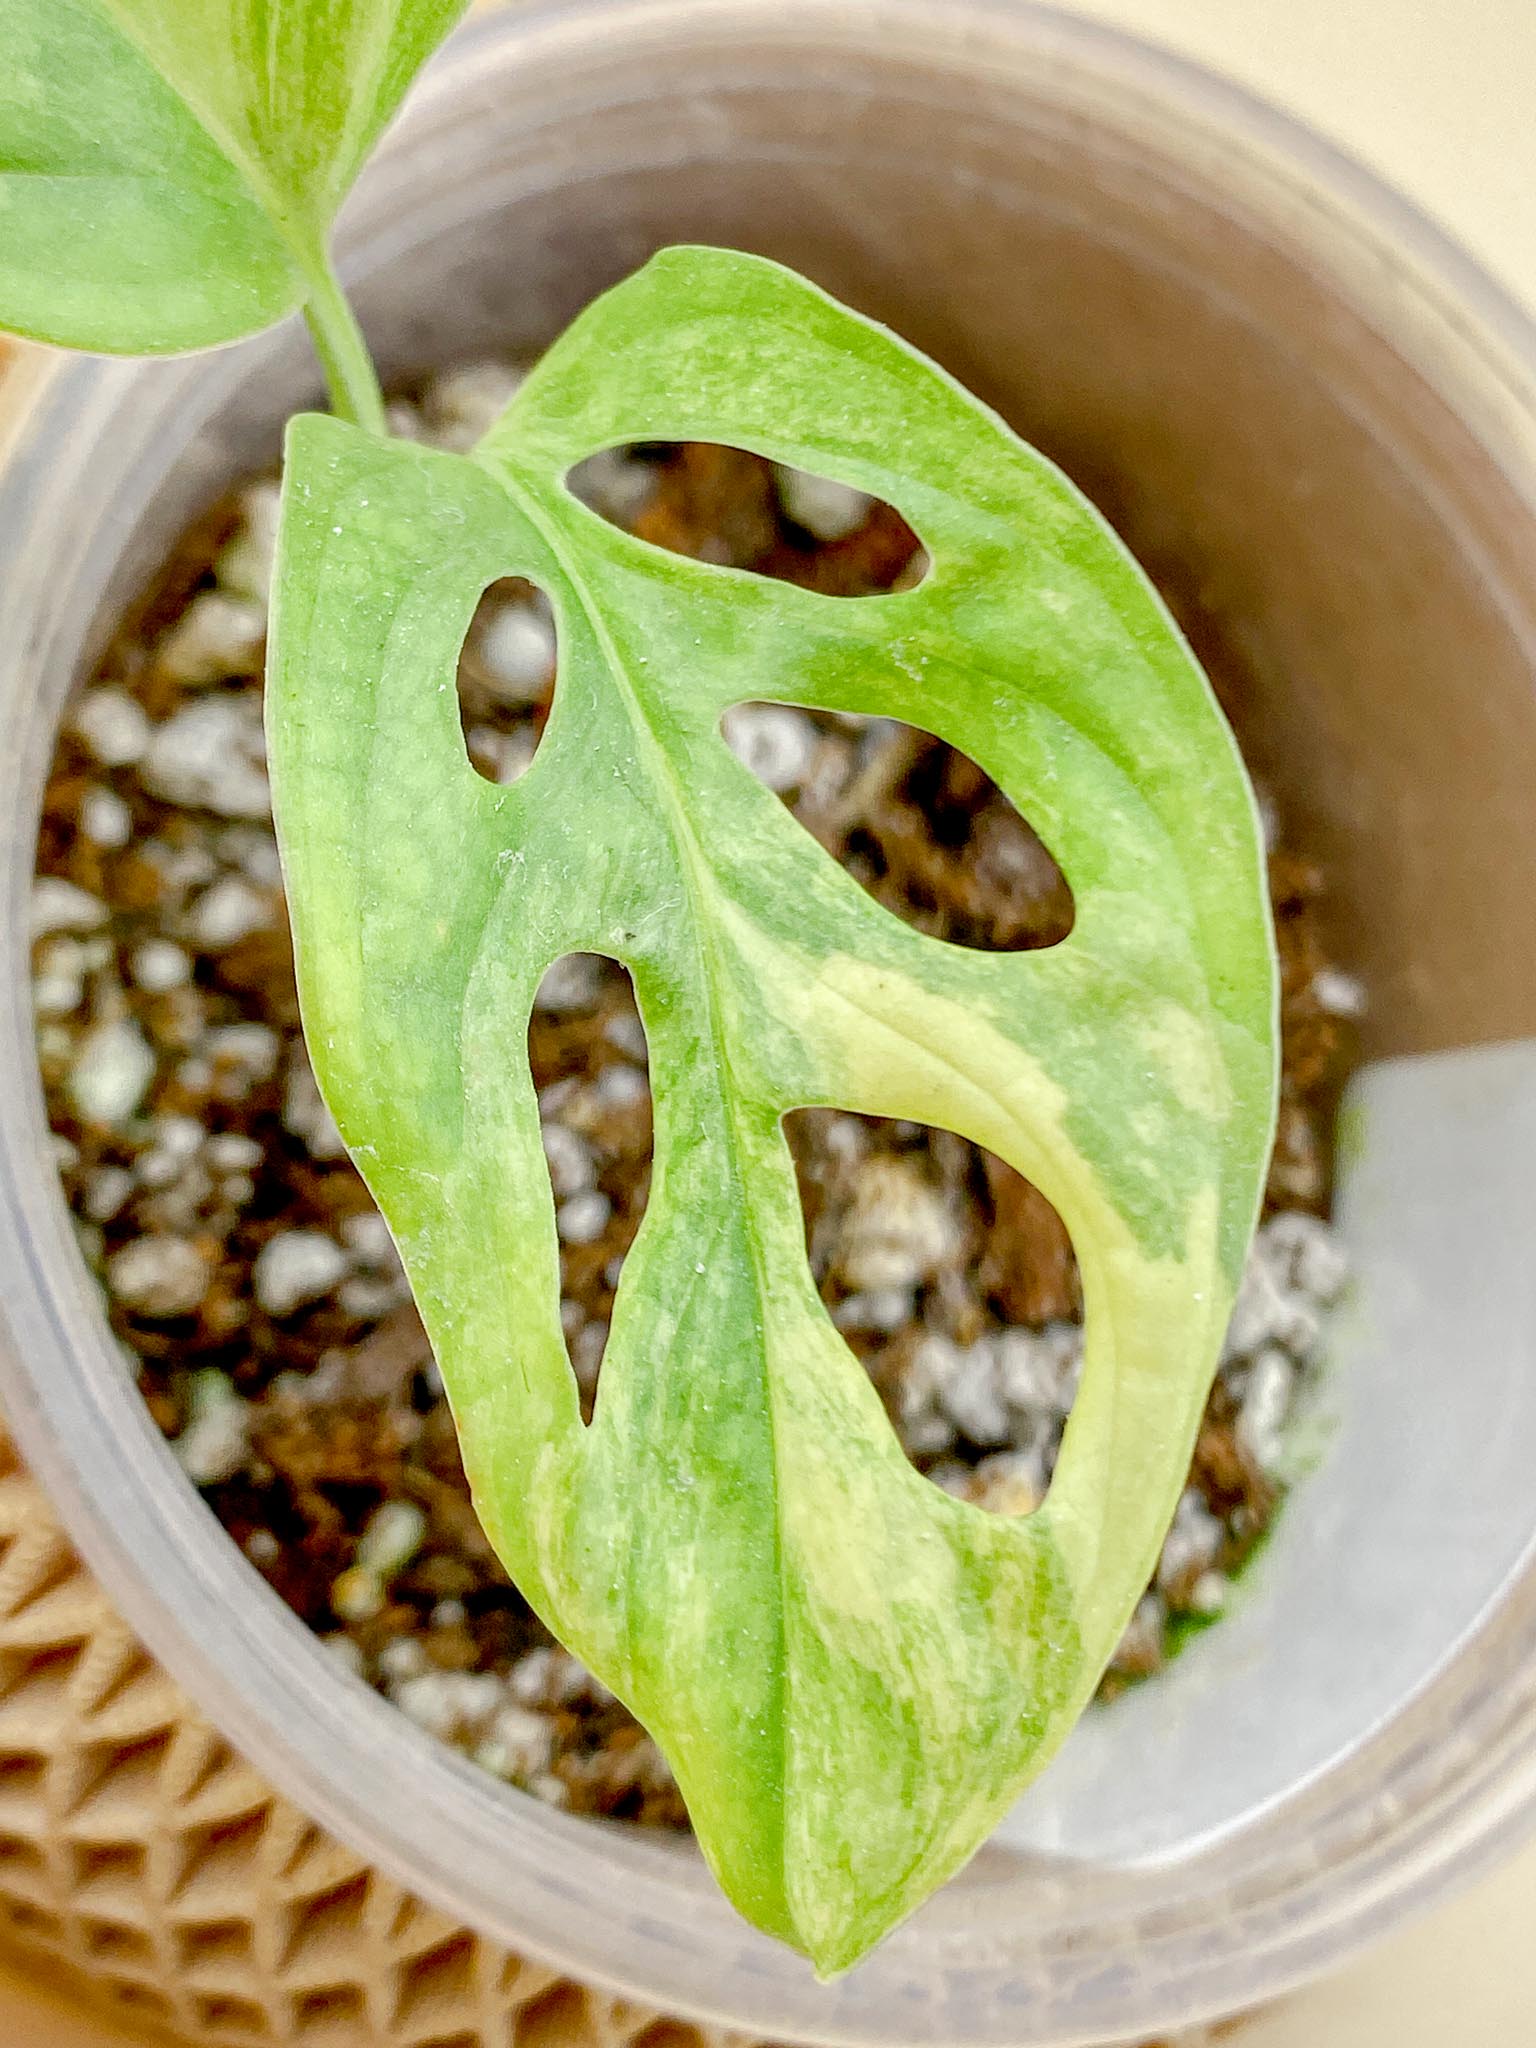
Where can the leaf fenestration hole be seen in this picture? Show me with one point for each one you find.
(954, 1281)
(738, 510)
(587, 1049)
(919, 824)
(507, 679)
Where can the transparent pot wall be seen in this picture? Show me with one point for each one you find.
(1273, 378)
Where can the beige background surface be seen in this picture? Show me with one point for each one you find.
(1440, 96)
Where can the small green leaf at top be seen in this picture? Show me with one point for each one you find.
(169, 169)
(852, 1674)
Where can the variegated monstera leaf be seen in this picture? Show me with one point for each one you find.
(851, 1673)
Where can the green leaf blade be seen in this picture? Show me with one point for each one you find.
(122, 227)
(170, 169)
(852, 1674)
(295, 92)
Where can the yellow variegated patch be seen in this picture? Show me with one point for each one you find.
(851, 1673)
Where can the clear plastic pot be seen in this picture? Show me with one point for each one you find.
(1279, 377)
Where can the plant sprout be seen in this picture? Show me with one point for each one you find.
(851, 1673)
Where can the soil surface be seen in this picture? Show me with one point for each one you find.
(255, 1290)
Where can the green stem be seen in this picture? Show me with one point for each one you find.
(350, 377)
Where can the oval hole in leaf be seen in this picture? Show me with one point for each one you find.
(587, 1048)
(925, 830)
(954, 1282)
(507, 679)
(724, 505)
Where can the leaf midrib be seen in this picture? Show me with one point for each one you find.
(298, 239)
(693, 868)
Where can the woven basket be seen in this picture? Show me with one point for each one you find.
(158, 1873)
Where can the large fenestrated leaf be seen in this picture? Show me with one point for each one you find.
(852, 1674)
(169, 169)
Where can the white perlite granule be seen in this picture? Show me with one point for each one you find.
(215, 1443)
(517, 652)
(569, 983)
(392, 1537)
(105, 818)
(210, 755)
(826, 509)
(227, 913)
(113, 1066)
(461, 405)
(571, 1165)
(584, 1218)
(295, 1268)
(775, 741)
(244, 564)
(58, 906)
(898, 1229)
(114, 726)
(217, 637)
(159, 1276)
(158, 965)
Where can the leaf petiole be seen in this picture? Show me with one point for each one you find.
(350, 376)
